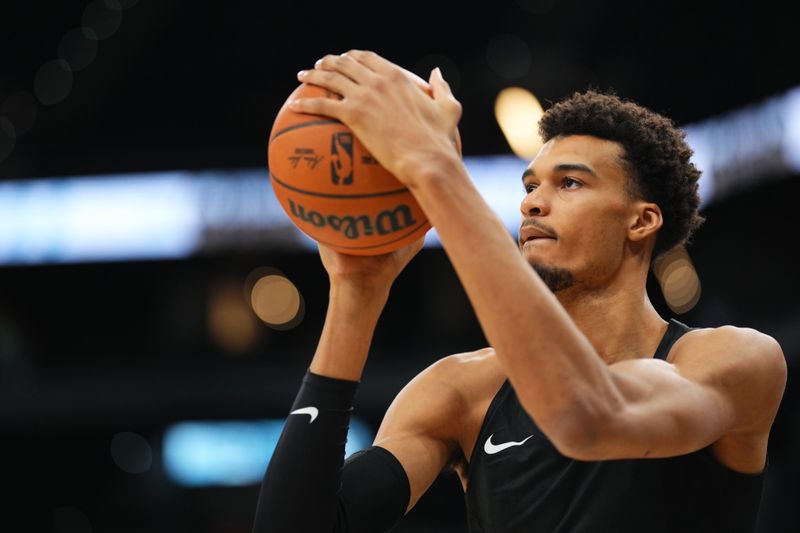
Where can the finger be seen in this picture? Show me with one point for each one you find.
(383, 66)
(419, 244)
(443, 95)
(441, 89)
(317, 106)
(328, 79)
(347, 66)
(372, 61)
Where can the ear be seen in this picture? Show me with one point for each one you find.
(645, 221)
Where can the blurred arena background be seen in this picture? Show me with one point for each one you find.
(157, 309)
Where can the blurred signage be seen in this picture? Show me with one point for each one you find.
(175, 215)
(231, 453)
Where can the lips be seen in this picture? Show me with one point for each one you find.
(530, 233)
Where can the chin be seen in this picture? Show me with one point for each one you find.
(556, 278)
(536, 256)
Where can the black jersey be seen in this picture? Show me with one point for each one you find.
(518, 482)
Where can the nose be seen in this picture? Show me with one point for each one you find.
(535, 203)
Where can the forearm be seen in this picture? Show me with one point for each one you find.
(302, 490)
(352, 315)
(551, 364)
(307, 489)
(302, 481)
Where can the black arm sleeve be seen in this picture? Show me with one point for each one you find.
(308, 488)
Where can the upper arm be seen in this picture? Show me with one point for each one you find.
(719, 382)
(420, 428)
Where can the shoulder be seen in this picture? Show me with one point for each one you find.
(448, 389)
(743, 363)
(472, 374)
(424, 428)
(466, 364)
(459, 376)
(729, 348)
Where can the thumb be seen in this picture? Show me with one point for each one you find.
(441, 89)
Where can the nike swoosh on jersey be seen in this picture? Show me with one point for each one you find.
(310, 411)
(492, 448)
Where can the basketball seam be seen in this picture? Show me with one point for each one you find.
(330, 195)
(304, 125)
(401, 237)
(276, 180)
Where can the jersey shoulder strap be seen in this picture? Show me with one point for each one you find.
(675, 330)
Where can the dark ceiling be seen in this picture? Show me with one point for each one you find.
(197, 84)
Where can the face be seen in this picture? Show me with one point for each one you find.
(575, 212)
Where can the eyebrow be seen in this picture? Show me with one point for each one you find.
(561, 167)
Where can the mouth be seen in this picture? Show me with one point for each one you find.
(535, 242)
(538, 239)
(533, 234)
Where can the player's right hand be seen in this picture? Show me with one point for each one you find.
(371, 272)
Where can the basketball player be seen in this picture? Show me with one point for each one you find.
(589, 412)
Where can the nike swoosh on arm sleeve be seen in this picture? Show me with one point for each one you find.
(303, 485)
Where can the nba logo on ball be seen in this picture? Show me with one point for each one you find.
(333, 189)
(342, 158)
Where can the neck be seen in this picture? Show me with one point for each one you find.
(618, 319)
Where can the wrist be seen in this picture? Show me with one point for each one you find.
(353, 313)
(359, 293)
(419, 172)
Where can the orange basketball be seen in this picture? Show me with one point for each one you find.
(333, 189)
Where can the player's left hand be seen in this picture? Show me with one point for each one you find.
(408, 125)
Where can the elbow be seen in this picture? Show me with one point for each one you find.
(577, 440)
(582, 432)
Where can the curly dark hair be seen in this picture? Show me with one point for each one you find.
(655, 156)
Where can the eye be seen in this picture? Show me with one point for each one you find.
(571, 183)
(530, 187)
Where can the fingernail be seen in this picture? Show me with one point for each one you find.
(302, 73)
(318, 63)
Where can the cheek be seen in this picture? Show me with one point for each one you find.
(598, 238)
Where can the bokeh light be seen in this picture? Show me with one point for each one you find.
(78, 48)
(230, 321)
(678, 278)
(276, 301)
(518, 112)
(102, 18)
(131, 452)
(509, 56)
(53, 82)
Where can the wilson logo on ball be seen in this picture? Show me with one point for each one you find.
(354, 226)
(333, 189)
